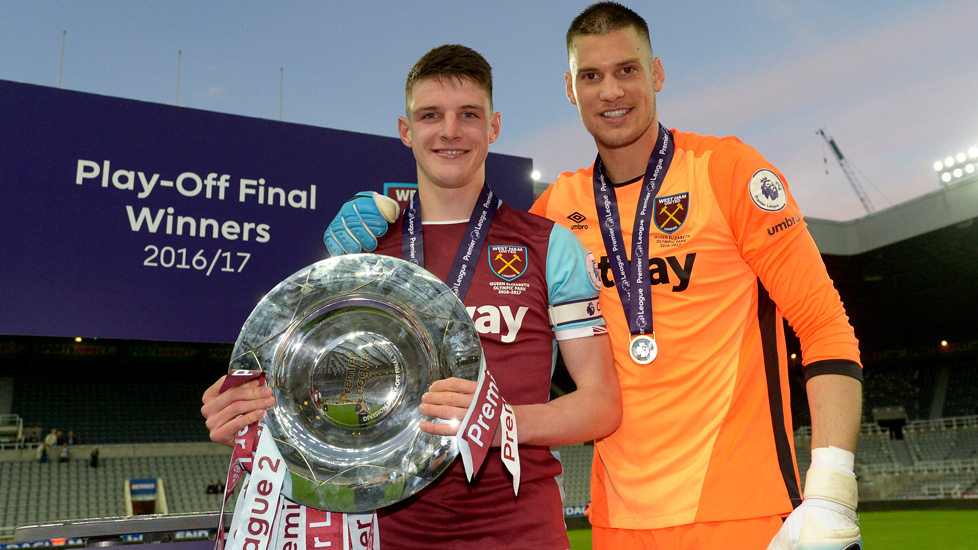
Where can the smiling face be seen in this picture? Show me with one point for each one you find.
(613, 80)
(449, 126)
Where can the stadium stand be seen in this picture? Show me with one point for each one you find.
(944, 439)
(908, 385)
(943, 460)
(143, 401)
(73, 491)
(146, 422)
(873, 447)
(576, 460)
(36, 493)
(961, 399)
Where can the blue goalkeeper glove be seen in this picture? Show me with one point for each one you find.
(826, 519)
(359, 222)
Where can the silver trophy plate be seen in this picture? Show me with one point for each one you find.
(349, 345)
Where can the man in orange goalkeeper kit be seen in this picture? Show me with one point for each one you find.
(704, 454)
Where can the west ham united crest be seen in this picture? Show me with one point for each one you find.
(670, 212)
(508, 262)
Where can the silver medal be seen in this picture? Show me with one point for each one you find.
(643, 349)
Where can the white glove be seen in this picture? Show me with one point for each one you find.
(359, 222)
(826, 519)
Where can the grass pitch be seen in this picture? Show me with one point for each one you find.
(944, 529)
(580, 539)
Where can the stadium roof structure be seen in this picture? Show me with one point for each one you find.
(908, 275)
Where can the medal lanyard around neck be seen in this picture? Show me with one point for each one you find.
(632, 277)
(472, 448)
(476, 233)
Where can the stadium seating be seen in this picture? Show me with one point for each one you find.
(931, 445)
(962, 398)
(35, 493)
(576, 460)
(943, 460)
(939, 485)
(908, 384)
(54, 492)
(874, 446)
(943, 439)
(114, 411)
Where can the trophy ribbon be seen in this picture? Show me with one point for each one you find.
(475, 434)
(302, 527)
(244, 447)
(305, 527)
(511, 452)
(262, 517)
(252, 524)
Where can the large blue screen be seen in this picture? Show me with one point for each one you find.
(132, 220)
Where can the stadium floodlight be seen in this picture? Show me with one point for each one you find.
(535, 175)
(957, 166)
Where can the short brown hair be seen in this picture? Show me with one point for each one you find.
(605, 17)
(451, 62)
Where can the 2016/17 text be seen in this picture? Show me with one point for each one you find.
(169, 257)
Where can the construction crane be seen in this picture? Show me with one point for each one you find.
(849, 172)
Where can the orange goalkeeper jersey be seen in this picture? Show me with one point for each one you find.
(706, 432)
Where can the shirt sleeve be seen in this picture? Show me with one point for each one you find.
(573, 283)
(774, 240)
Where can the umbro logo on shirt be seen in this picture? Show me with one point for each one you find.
(578, 220)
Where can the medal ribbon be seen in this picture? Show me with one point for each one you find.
(475, 434)
(632, 277)
(477, 231)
